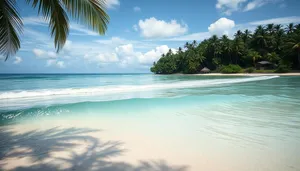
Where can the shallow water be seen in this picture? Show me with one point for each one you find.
(197, 122)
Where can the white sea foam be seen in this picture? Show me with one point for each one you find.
(107, 90)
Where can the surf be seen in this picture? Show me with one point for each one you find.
(107, 90)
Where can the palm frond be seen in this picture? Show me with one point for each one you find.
(53, 11)
(10, 28)
(89, 12)
(297, 46)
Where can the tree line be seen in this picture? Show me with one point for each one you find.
(274, 43)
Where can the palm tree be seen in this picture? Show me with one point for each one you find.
(260, 39)
(270, 36)
(259, 30)
(247, 35)
(179, 50)
(194, 43)
(238, 46)
(270, 28)
(200, 57)
(229, 50)
(279, 40)
(180, 59)
(278, 27)
(293, 45)
(89, 12)
(170, 52)
(273, 57)
(297, 27)
(290, 28)
(238, 34)
(254, 56)
(224, 39)
(213, 44)
(187, 45)
(226, 46)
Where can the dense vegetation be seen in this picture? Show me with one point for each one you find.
(272, 43)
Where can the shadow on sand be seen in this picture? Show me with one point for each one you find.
(74, 149)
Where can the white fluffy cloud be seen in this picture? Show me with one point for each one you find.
(136, 9)
(125, 56)
(221, 27)
(102, 58)
(153, 28)
(39, 53)
(17, 60)
(125, 49)
(112, 3)
(55, 63)
(93, 48)
(153, 55)
(227, 26)
(129, 56)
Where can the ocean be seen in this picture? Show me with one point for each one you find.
(194, 122)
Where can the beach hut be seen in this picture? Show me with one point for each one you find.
(262, 65)
(205, 70)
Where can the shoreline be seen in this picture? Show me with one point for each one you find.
(171, 126)
(245, 74)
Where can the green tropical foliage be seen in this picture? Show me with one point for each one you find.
(88, 12)
(231, 69)
(254, 56)
(274, 43)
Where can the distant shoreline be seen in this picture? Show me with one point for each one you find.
(246, 74)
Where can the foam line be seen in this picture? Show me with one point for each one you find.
(107, 90)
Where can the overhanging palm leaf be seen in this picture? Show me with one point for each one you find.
(58, 19)
(10, 28)
(88, 12)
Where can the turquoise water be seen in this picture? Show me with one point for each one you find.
(31, 96)
(254, 113)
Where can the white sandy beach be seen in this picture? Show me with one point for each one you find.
(127, 144)
(250, 74)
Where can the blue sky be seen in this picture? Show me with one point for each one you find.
(138, 33)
